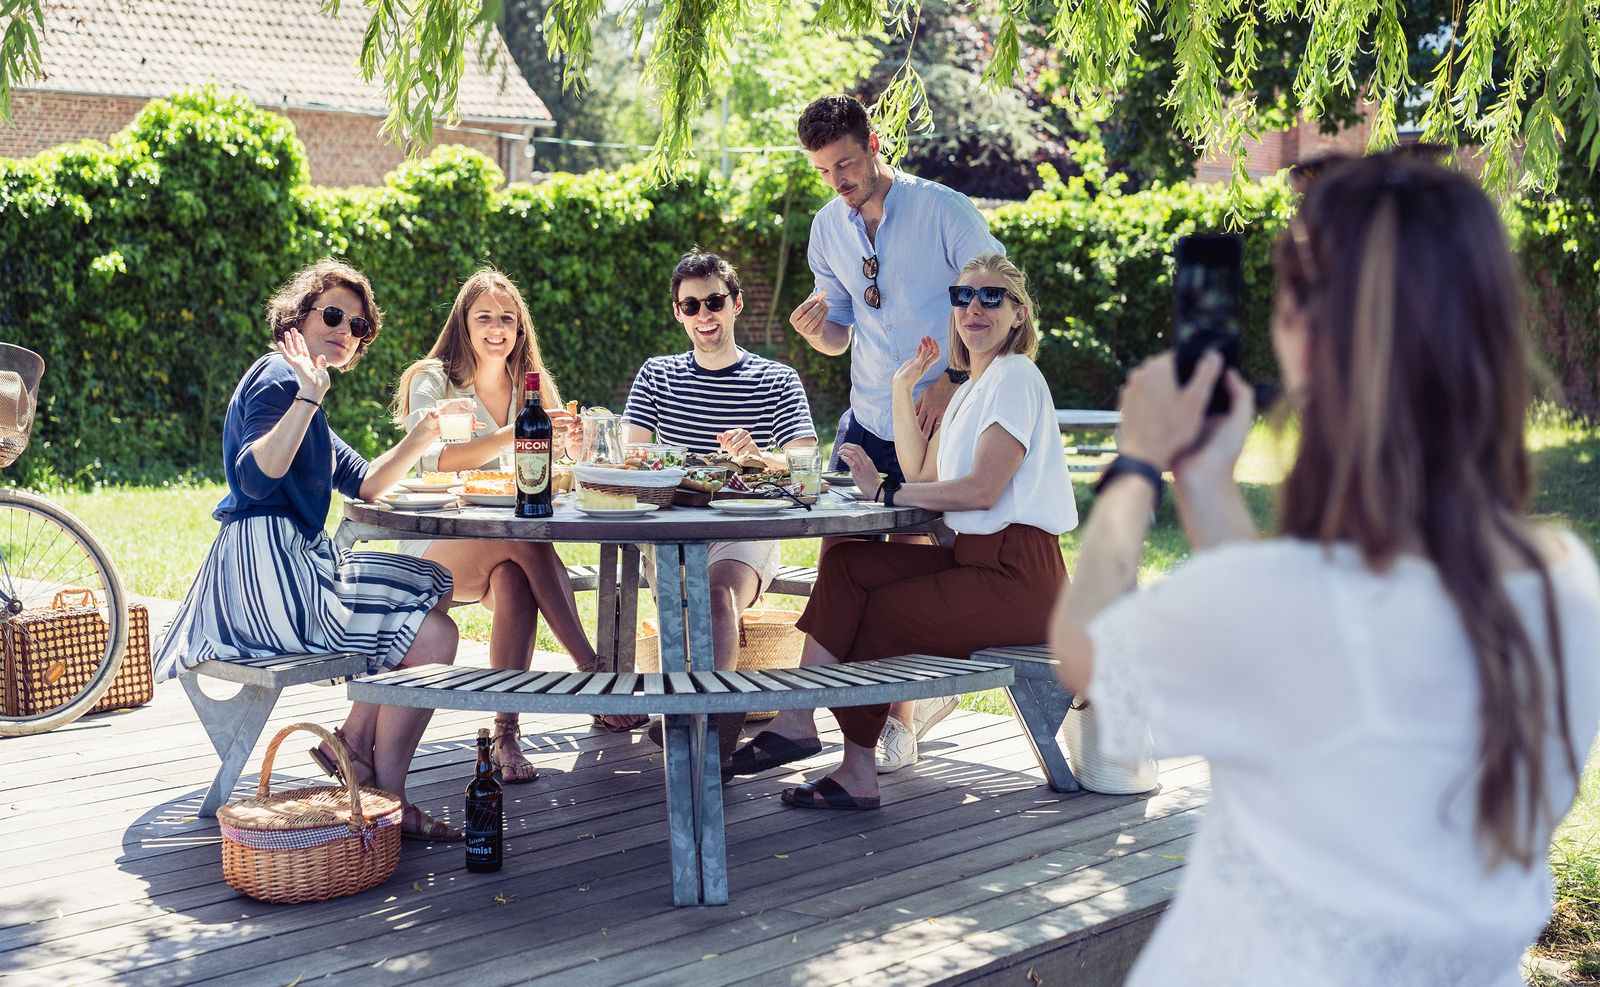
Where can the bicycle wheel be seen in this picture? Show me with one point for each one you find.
(44, 551)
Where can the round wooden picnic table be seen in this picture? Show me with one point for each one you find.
(682, 534)
(682, 585)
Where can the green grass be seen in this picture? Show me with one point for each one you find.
(158, 536)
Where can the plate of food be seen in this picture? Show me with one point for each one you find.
(430, 482)
(837, 480)
(751, 505)
(487, 488)
(637, 510)
(410, 501)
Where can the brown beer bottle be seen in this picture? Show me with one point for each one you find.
(485, 815)
(531, 441)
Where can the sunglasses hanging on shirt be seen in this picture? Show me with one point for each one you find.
(690, 307)
(869, 269)
(332, 315)
(989, 296)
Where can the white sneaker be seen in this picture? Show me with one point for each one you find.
(931, 711)
(897, 747)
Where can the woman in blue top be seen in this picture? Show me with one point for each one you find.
(273, 581)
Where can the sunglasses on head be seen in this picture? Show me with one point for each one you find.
(332, 315)
(691, 306)
(961, 295)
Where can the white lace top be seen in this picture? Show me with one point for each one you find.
(1338, 709)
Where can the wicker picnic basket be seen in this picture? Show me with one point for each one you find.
(767, 639)
(647, 486)
(310, 844)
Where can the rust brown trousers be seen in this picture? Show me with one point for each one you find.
(881, 599)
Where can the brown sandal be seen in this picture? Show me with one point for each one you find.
(516, 769)
(415, 824)
(366, 777)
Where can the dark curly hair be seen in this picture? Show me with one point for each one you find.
(292, 302)
(829, 118)
(698, 265)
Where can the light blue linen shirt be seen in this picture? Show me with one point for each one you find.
(928, 234)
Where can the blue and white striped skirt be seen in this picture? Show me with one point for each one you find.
(266, 589)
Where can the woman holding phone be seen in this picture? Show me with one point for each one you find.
(1396, 691)
(486, 346)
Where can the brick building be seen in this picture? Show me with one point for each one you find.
(104, 59)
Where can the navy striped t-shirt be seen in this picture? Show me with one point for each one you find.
(685, 404)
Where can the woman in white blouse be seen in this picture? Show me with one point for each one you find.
(1397, 691)
(997, 470)
(487, 344)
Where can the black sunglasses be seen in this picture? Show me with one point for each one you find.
(869, 269)
(332, 315)
(691, 306)
(989, 296)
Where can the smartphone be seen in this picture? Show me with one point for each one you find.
(1207, 306)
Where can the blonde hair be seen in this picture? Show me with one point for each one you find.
(1024, 336)
(452, 351)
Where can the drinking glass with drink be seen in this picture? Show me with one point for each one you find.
(805, 468)
(456, 418)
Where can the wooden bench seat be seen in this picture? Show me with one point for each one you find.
(235, 724)
(792, 580)
(688, 700)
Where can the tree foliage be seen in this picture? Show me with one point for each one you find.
(1506, 74)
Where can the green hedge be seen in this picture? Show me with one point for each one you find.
(139, 270)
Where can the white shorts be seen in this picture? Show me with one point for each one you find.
(760, 556)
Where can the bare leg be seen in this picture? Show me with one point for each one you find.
(511, 639)
(734, 587)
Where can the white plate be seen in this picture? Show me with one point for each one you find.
(419, 501)
(485, 500)
(417, 486)
(618, 512)
(752, 506)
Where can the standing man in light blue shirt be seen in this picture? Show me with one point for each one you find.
(884, 254)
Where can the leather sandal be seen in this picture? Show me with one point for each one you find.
(415, 824)
(366, 777)
(825, 793)
(517, 769)
(767, 750)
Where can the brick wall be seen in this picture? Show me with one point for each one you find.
(341, 148)
(1279, 149)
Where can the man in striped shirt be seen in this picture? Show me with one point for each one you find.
(720, 398)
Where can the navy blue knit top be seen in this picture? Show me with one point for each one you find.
(323, 464)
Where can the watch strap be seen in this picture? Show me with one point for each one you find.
(1130, 466)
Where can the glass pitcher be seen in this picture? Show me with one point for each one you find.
(602, 437)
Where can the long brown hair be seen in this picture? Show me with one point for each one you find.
(1412, 433)
(291, 303)
(452, 351)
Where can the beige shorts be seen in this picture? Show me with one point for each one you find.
(760, 556)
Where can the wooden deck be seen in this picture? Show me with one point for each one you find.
(973, 872)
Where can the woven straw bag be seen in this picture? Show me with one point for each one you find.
(310, 844)
(50, 653)
(767, 639)
(1094, 769)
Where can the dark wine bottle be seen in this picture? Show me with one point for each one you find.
(485, 816)
(532, 445)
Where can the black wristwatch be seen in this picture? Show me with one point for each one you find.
(1125, 465)
(956, 376)
(886, 490)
